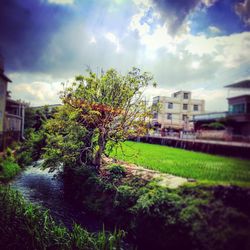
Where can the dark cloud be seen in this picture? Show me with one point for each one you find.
(175, 12)
(26, 28)
(242, 9)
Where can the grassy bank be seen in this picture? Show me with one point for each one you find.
(191, 218)
(25, 226)
(200, 166)
(8, 170)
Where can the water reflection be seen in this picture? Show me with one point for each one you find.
(42, 187)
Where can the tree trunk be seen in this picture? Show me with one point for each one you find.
(101, 143)
(86, 157)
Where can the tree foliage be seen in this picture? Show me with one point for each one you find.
(36, 116)
(98, 111)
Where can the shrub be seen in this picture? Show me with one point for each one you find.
(8, 170)
(24, 158)
(157, 221)
(191, 217)
(32, 148)
(117, 171)
(9, 155)
(126, 196)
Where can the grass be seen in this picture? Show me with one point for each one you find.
(8, 169)
(202, 167)
(26, 226)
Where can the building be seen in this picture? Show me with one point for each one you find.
(207, 118)
(236, 119)
(11, 114)
(239, 109)
(175, 112)
(211, 126)
(49, 107)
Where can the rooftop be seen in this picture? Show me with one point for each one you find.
(2, 70)
(240, 85)
(4, 76)
(244, 97)
(210, 116)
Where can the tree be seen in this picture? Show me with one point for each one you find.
(35, 117)
(106, 109)
(65, 138)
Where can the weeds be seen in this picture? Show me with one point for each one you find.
(8, 167)
(25, 226)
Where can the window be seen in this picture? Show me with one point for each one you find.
(170, 105)
(185, 95)
(169, 116)
(156, 100)
(196, 107)
(185, 107)
(237, 108)
(184, 117)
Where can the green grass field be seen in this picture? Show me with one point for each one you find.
(199, 166)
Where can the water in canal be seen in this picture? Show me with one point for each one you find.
(43, 188)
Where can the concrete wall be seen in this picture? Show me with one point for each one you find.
(13, 123)
(246, 129)
(214, 135)
(3, 89)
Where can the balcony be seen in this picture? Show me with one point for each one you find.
(214, 116)
(239, 108)
(13, 107)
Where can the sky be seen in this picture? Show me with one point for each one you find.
(194, 45)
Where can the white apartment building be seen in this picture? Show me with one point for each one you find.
(175, 112)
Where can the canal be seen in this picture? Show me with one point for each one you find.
(44, 188)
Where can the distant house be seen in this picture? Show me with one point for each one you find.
(11, 114)
(49, 107)
(239, 109)
(236, 119)
(175, 112)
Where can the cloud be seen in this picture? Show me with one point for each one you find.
(214, 29)
(153, 38)
(174, 14)
(90, 33)
(230, 50)
(30, 88)
(136, 24)
(61, 1)
(26, 27)
(215, 100)
(242, 9)
(92, 40)
(29, 29)
(158, 39)
(113, 39)
(209, 3)
(233, 51)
